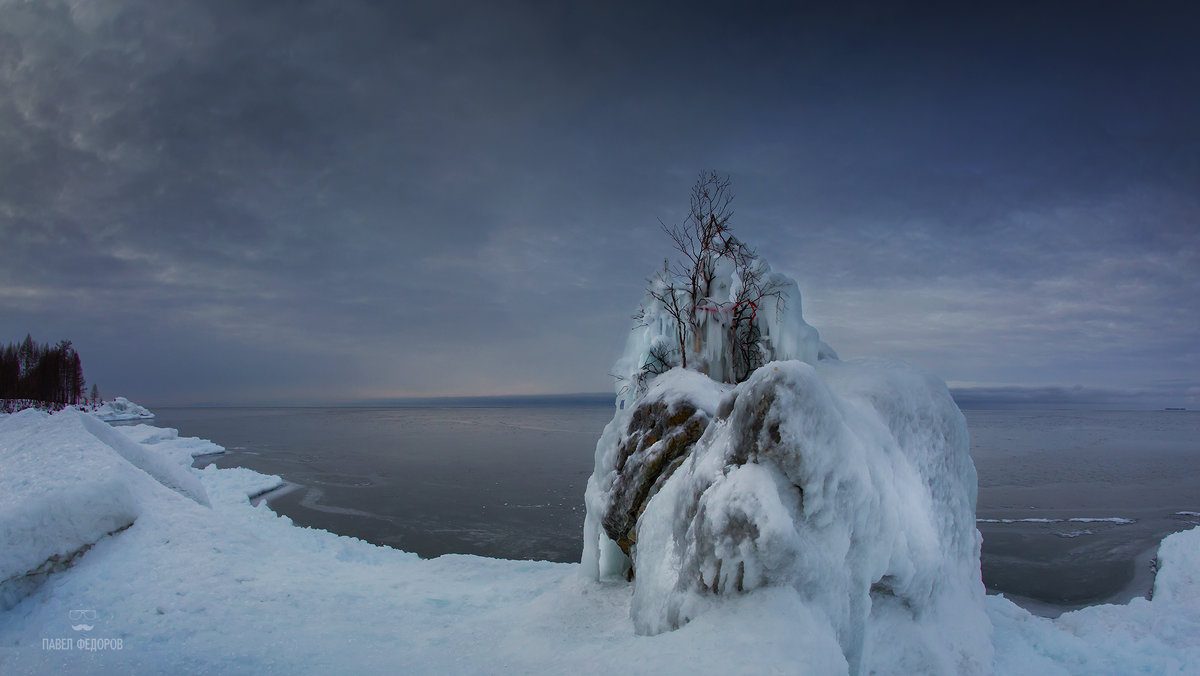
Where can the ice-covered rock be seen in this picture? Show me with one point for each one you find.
(121, 408)
(848, 483)
(658, 437)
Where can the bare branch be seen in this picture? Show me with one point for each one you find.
(702, 240)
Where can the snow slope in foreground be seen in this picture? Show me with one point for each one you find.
(236, 588)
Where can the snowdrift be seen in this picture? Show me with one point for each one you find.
(61, 493)
(69, 480)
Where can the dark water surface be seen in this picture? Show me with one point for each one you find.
(509, 482)
(1050, 472)
(498, 482)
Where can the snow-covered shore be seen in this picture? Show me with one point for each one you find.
(117, 557)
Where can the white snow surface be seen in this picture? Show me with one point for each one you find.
(62, 490)
(236, 588)
(121, 408)
(164, 467)
(167, 440)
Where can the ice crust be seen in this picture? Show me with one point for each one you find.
(234, 588)
(167, 440)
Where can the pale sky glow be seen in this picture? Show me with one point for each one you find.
(326, 201)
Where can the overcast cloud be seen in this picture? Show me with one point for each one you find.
(337, 200)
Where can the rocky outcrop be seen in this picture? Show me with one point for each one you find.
(656, 441)
(849, 484)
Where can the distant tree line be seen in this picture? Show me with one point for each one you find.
(42, 376)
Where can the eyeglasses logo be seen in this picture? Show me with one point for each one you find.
(79, 616)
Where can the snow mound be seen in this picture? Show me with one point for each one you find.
(1177, 580)
(69, 479)
(236, 484)
(60, 491)
(121, 408)
(167, 469)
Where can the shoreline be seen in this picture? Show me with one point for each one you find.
(185, 588)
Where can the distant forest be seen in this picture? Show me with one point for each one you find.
(42, 376)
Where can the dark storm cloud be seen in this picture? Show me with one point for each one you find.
(322, 200)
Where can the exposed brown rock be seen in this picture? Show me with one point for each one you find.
(657, 441)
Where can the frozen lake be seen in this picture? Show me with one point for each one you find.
(1071, 503)
(1048, 471)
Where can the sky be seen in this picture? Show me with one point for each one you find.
(341, 200)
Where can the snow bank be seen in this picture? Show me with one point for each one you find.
(235, 484)
(121, 409)
(60, 491)
(69, 479)
(168, 470)
(1156, 636)
(167, 440)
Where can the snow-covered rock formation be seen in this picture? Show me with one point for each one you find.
(848, 484)
(121, 408)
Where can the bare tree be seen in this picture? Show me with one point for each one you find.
(682, 291)
(676, 301)
(745, 337)
(701, 239)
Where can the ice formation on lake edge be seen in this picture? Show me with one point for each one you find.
(121, 408)
(849, 483)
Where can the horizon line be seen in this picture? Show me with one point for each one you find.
(966, 398)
